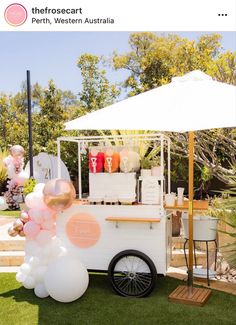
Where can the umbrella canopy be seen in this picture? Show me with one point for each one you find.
(192, 102)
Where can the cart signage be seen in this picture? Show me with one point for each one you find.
(83, 230)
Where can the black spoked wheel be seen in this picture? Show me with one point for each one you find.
(132, 274)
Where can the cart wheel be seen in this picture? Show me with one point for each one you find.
(132, 274)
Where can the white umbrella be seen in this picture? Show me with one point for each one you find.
(192, 102)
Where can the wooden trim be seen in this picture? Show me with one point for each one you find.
(130, 219)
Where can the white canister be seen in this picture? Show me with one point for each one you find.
(170, 199)
(204, 227)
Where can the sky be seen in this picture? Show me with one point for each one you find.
(53, 55)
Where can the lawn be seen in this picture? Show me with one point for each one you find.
(101, 306)
(8, 213)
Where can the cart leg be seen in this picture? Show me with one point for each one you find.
(195, 257)
(185, 256)
(216, 251)
(208, 281)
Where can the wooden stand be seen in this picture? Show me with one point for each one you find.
(183, 295)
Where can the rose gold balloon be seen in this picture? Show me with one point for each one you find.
(12, 232)
(17, 151)
(24, 217)
(18, 225)
(59, 194)
(21, 233)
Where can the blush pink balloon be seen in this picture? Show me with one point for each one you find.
(48, 215)
(44, 237)
(36, 215)
(48, 225)
(31, 229)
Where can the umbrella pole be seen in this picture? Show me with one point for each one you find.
(189, 294)
(190, 209)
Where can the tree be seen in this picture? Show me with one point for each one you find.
(97, 92)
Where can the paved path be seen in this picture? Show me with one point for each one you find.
(4, 220)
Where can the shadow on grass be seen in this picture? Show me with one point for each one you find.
(100, 305)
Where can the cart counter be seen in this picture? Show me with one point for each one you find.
(97, 233)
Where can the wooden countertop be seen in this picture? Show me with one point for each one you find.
(197, 205)
(200, 205)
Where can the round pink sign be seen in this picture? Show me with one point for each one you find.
(83, 230)
(15, 14)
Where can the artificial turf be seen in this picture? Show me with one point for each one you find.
(100, 305)
(8, 213)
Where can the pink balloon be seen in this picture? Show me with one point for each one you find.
(34, 200)
(36, 215)
(48, 215)
(21, 178)
(48, 225)
(44, 237)
(31, 229)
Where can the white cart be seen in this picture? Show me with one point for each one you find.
(131, 242)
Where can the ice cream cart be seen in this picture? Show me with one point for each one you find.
(121, 227)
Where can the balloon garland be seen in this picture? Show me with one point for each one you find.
(48, 268)
(14, 164)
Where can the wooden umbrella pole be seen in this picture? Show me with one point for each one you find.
(190, 210)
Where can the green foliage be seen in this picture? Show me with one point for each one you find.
(29, 186)
(3, 170)
(97, 92)
(225, 209)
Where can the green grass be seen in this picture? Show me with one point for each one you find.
(101, 306)
(8, 213)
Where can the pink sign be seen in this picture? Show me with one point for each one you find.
(83, 230)
(15, 14)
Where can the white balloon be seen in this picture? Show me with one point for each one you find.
(20, 277)
(66, 279)
(3, 204)
(40, 291)
(27, 258)
(25, 268)
(31, 247)
(39, 187)
(29, 282)
(39, 273)
(44, 237)
(34, 261)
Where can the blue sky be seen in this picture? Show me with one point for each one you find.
(53, 55)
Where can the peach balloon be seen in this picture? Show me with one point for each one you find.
(58, 194)
(17, 151)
